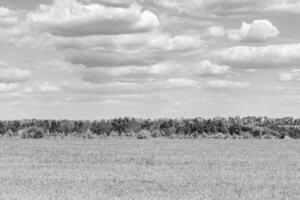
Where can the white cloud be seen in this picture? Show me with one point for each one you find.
(178, 83)
(220, 8)
(72, 18)
(127, 74)
(7, 17)
(292, 6)
(8, 87)
(183, 42)
(216, 31)
(258, 31)
(9, 74)
(127, 49)
(227, 84)
(270, 54)
(48, 87)
(206, 67)
(293, 75)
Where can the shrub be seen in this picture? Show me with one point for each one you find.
(89, 135)
(156, 133)
(204, 136)
(286, 137)
(114, 134)
(143, 134)
(218, 136)
(9, 134)
(128, 134)
(174, 136)
(31, 132)
(246, 135)
(268, 136)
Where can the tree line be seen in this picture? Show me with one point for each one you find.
(236, 127)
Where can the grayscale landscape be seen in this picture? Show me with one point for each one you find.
(149, 99)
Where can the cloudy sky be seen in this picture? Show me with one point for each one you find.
(92, 59)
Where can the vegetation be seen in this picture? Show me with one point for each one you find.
(163, 169)
(238, 128)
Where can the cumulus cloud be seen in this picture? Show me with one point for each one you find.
(126, 50)
(47, 87)
(129, 88)
(263, 55)
(216, 31)
(110, 59)
(112, 3)
(291, 6)
(183, 42)
(293, 75)
(258, 31)
(206, 67)
(127, 74)
(8, 87)
(7, 17)
(178, 83)
(230, 8)
(10, 75)
(72, 18)
(131, 42)
(227, 84)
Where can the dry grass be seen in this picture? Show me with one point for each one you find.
(149, 169)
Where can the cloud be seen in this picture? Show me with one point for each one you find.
(206, 67)
(126, 50)
(106, 58)
(227, 84)
(131, 42)
(270, 55)
(216, 31)
(128, 73)
(178, 83)
(293, 75)
(229, 8)
(11, 75)
(258, 31)
(7, 17)
(8, 87)
(291, 6)
(112, 3)
(72, 18)
(47, 87)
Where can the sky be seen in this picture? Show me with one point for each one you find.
(94, 59)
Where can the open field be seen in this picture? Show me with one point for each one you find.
(149, 169)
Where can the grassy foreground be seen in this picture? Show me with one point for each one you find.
(149, 169)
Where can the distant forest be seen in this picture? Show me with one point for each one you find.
(232, 127)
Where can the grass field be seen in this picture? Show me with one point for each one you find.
(149, 169)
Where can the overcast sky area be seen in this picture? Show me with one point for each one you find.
(94, 59)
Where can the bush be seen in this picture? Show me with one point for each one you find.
(143, 134)
(156, 133)
(129, 134)
(9, 134)
(268, 136)
(217, 136)
(246, 135)
(203, 136)
(89, 135)
(31, 133)
(114, 134)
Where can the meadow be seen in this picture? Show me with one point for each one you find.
(149, 169)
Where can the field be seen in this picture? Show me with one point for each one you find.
(149, 169)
